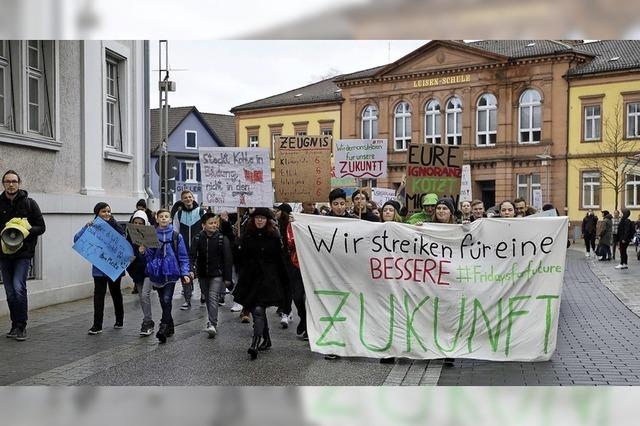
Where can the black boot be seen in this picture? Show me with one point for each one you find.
(170, 329)
(162, 333)
(253, 349)
(266, 341)
(21, 332)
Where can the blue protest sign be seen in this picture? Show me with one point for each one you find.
(104, 248)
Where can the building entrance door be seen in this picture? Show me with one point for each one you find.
(488, 191)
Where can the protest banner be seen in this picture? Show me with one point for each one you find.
(434, 169)
(303, 168)
(487, 290)
(465, 184)
(143, 235)
(236, 177)
(361, 158)
(382, 195)
(104, 248)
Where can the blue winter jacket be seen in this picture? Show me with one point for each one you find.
(95, 272)
(163, 265)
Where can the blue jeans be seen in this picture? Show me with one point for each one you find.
(165, 294)
(14, 277)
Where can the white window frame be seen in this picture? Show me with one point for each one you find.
(433, 116)
(483, 137)
(534, 107)
(525, 182)
(592, 122)
(594, 187)
(456, 135)
(326, 131)
(191, 166)
(187, 132)
(301, 133)
(369, 125)
(122, 55)
(112, 104)
(35, 73)
(402, 111)
(254, 143)
(632, 182)
(4, 83)
(274, 138)
(633, 120)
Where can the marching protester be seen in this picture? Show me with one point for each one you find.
(284, 309)
(605, 237)
(615, 221)
(309, 208)
(465, 215)
(390, 212)
(625, 234)
(360, 199)
(522, 210)
(338, 204)
(18, 213)
(141, 282)
(101, 280)
(373, 207)
(296, 284)
(188, 222)
(477, 210)
(261, 276)
(141, 205)
(507, 209)
(445, 212)
(228, 229)
(589, 231)
(165, 265)
(426, 215)
(212, 263)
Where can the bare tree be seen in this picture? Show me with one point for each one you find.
(615, 155)
(331, 72)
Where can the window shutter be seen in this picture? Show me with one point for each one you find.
(198, 172)
(183, 171)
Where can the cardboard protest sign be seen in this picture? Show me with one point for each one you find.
(488, 290)
(434, 169)
(236, 177)
(303, 168)
(341, 182)
(143, 235)
(105, 248)
(361, 158)
(382, 195)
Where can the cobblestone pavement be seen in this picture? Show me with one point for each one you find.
(598, 344)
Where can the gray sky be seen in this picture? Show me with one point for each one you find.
(222, 74)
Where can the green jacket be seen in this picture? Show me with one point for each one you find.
(419, 217)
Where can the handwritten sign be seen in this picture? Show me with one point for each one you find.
(434, 169)
(302, 168)
(465, 184)
(236, 177)
(489, 290)
(382, 195)
(143, 235)
(537, 198)
(341, 182)
(361, 158)
(104, 248)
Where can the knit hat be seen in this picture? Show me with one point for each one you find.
(101, 205)
(430, 200)
(140, 214)
(394, 204)
(447, 202)
(285, 208)
(262, 211)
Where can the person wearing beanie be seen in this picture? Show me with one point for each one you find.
(142, 284)
(427, 214)
(101, 280)
(625, 235)
(283, 212)
(391, 211)
(444, 211)
(284, 207)
(360, 210)
(141, 205)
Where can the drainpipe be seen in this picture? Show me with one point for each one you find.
(147, 125)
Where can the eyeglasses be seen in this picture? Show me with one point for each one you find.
(9, 182)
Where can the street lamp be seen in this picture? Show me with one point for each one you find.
(544, 157)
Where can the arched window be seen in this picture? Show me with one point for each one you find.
(486, 120)
(402, 135)
(454, 121)
(530, 116)
(369, 122)
(432, 122)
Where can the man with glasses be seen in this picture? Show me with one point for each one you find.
(18, 213)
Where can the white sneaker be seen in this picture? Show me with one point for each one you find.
(211, 330)
(586, 255)
(236, 307)
(620, 266)
(284, 320)
(625, 266)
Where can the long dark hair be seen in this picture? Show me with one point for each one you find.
(268, 229)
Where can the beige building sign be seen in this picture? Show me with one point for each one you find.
(442, 81)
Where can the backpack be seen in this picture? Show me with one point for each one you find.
(161, 266)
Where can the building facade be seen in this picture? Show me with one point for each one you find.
(73, 124)
(189, 130)
(604, 130)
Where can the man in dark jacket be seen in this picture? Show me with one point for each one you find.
(589, 231)
(625, 234)
(15, 204)
(188, 222)
(360, 199)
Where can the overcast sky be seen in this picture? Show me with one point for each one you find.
(221, 74)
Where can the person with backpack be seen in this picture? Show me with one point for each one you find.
(211, 263)
(188, 222)
(141, 282)
(101, 280)
(165, 265)
(21, 213)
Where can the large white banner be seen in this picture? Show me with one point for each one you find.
(487, 290)
(236, 177)
(360, 158)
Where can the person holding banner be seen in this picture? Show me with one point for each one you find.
(477, 210)
(140, 279)
(360, 199)
(284, 309)
(101, 280)
(338, 204)
(465, 212)
(427, 214)
(390, 212)
(444, 211)
(507, 209)
(262, 275)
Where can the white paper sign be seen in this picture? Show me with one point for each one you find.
(361, 158)
(488, 290)
(537, 199)
(236, 177)
(382, 195)
(465, 184)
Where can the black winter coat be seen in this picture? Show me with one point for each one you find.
(137, 267)
(207, 258)
(625, 229)
(22, 206)
(589, 225)
(262, 274)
